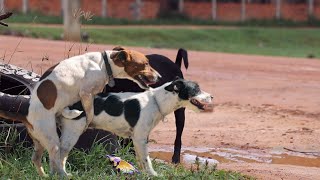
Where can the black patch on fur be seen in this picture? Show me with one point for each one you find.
(185, 89)
(132, 111)
(48, 72)
(111, 105)
(189, 90)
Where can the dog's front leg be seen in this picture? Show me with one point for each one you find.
(140, 146)
(87, 93)
(87, 104)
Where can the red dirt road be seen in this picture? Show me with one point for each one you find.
(263, 104)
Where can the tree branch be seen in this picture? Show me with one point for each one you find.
(5, 16)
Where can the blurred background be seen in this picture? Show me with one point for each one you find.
(232, 26)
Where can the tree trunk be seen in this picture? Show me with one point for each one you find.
(310, 8)
(181, 6)
(214, 9)
(137, 9)
(104, 7)
(278, 9)
(25, 6)
(71, 23)
(243, 10)
(2, 8)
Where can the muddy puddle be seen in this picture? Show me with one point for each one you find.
(228, 155)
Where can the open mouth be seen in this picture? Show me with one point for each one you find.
(144, 81)
(202, 106)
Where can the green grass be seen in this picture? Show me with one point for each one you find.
(166, 18)
(93, 165)
(247, 40)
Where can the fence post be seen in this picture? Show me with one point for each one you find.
(104, 7)
(25, 6)
(278, 9)
(310, 8)
(214, 9)
(181, 6)
(243, 10)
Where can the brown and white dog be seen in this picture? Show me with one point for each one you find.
(78, 78)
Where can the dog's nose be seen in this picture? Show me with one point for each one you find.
(211, 97)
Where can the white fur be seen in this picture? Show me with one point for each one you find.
(77, 78)
(150, 115)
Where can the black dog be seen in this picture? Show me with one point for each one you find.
(169, 71)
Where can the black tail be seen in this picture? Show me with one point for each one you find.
(15, 108)
(182, 54)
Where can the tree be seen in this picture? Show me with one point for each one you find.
(2, 8)
(243, 10)
(181, 6)
(104, 6)
(278, 9)
(214, 9)
(310, 7)
(25, 6)
(71, 19)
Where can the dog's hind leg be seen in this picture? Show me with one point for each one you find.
(37, 156)
(180, 119)
(70, 133)
(140, 146)
(46, 133)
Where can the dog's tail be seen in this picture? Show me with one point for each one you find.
(182, 54)
(15, 108)
(71, 114)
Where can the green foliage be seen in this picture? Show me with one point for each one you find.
(247, 40)
(17, 164)
(165, 18)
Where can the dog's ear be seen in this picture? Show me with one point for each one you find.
(118, 48)
(175, 86)
(119, 58)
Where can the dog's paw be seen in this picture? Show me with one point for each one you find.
(69, 175)
(153, 173)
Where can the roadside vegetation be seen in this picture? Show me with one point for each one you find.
(15, 163)
(164, 19)
(291, 42)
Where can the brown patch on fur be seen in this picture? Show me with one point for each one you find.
(134, 62)
(118, 48)
(47, 93)
(48, 72)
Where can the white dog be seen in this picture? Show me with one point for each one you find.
(78, 78)
(132, 115)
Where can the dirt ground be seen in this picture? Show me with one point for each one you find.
(263, 104)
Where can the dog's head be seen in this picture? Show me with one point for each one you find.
(136, 66)
(191, 96)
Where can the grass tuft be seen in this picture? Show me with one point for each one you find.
(16, 163)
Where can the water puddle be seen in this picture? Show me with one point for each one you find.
(228, 155)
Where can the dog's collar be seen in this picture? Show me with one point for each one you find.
(111, 82)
